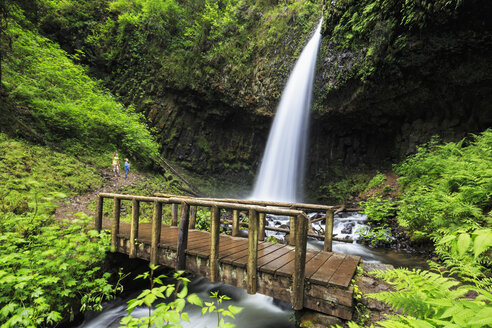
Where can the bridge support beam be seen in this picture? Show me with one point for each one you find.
(214, 243)
(261, 228)
(193, 210)
(115, 228)
(327, 246)
(299, 263)
(134, 228)
(252, 251)
(292, 229)
(156, 232)
(182, 237)
(99, 214)
(235, 223)
(174, 215)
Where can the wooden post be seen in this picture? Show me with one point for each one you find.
(99, 214)
(235, 223)
(134, 228)
(214, 243)
(297, 297)
(261, 228)
(115, 230)
(182, 237)
(327, 246)
(156, 232)
(174, 216)
(292, 233)
(252, 251)
(193, 210)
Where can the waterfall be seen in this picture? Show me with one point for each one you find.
(282, 167)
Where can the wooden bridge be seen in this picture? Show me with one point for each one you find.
(317, 280)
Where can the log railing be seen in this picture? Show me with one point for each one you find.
(255, 212)
(329, 217)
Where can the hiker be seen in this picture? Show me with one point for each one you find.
(127, 168)
(116, 165)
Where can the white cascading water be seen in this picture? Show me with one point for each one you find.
(282, 167)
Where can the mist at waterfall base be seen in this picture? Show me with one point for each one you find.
(282, 167)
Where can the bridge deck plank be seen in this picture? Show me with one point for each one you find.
(326, 271)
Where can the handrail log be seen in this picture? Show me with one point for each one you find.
(259, 202)
(206, 203)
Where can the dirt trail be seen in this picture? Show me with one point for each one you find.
(79, 203)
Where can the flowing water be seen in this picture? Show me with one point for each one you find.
(279, 179)
(282, 167)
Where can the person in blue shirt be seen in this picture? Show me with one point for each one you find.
(127, 168)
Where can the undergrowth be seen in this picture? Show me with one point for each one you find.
(49, 270)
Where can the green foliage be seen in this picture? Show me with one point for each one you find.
(169, 312)
(467, 253)
(48, 269)
(427, 299)
(341, 191)
(149, 46)
(376, 30)
(165, 314)
(222, 313)
(202, 220)
(446, 190)
(32, 176)
(378, 210)
(70, 109)
(376, 181)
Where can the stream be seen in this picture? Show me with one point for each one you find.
(260, 311)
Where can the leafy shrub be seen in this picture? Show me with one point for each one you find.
(344, 189)
(379, 210)
(376, 181)
(46, 268)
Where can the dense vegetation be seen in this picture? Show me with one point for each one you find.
(48, 269)
(445, 196)
(142, 48)
(57, 100)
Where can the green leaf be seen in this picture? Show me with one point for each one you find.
(195, 300)
(464, 241)
(183, 292)
(482, 243)
(235, 309)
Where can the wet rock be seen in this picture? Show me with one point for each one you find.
(347, 229)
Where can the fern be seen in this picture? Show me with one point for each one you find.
(428, 299)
